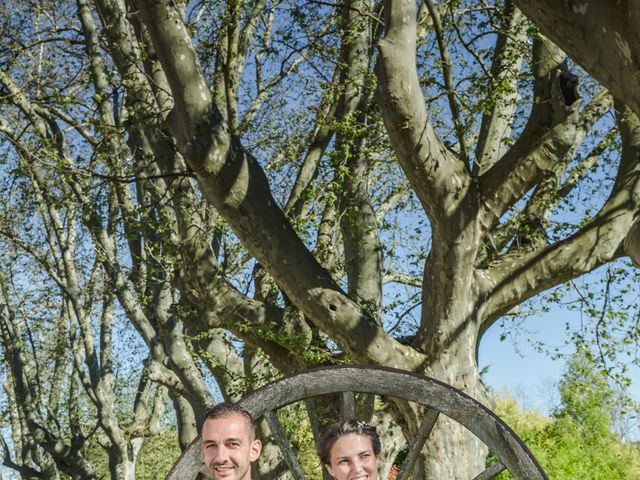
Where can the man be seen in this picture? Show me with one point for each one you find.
(229, 442)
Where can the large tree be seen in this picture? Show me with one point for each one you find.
(263, 187)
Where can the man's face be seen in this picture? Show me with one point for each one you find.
(228, 449)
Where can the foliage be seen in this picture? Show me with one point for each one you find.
(578, 440)
(157, 456)
(295, 423)
(155, 459)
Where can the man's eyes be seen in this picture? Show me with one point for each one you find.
(228, 445)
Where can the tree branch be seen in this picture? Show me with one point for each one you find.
(514, 280)
(549, 134)
(601, 36)
(439, 180)
(502, 93)
(445, 63)
(235, 184)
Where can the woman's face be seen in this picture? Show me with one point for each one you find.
(352, 457)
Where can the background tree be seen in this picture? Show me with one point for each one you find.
(578, 441)
(259, 188)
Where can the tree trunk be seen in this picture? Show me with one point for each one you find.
(452, 452)
(122, 465)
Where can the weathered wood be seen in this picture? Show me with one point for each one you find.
(477, 418)
(632, 243)
(491, 472)
(190, 464)
(348, 405)
(316, 428)
(285, 447)
(428, 422)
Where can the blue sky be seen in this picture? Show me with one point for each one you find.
(531, 376)
(514, 365)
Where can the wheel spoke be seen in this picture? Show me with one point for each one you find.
(491, 472)
(285, 447)
(428, 422)
(348, 406)
(316, 428)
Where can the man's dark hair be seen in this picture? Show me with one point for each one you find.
(337, 430)
(225, 410)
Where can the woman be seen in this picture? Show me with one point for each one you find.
(350, 450)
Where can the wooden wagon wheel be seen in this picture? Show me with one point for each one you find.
(437, 396)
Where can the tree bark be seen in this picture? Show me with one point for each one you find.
(600, 35)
